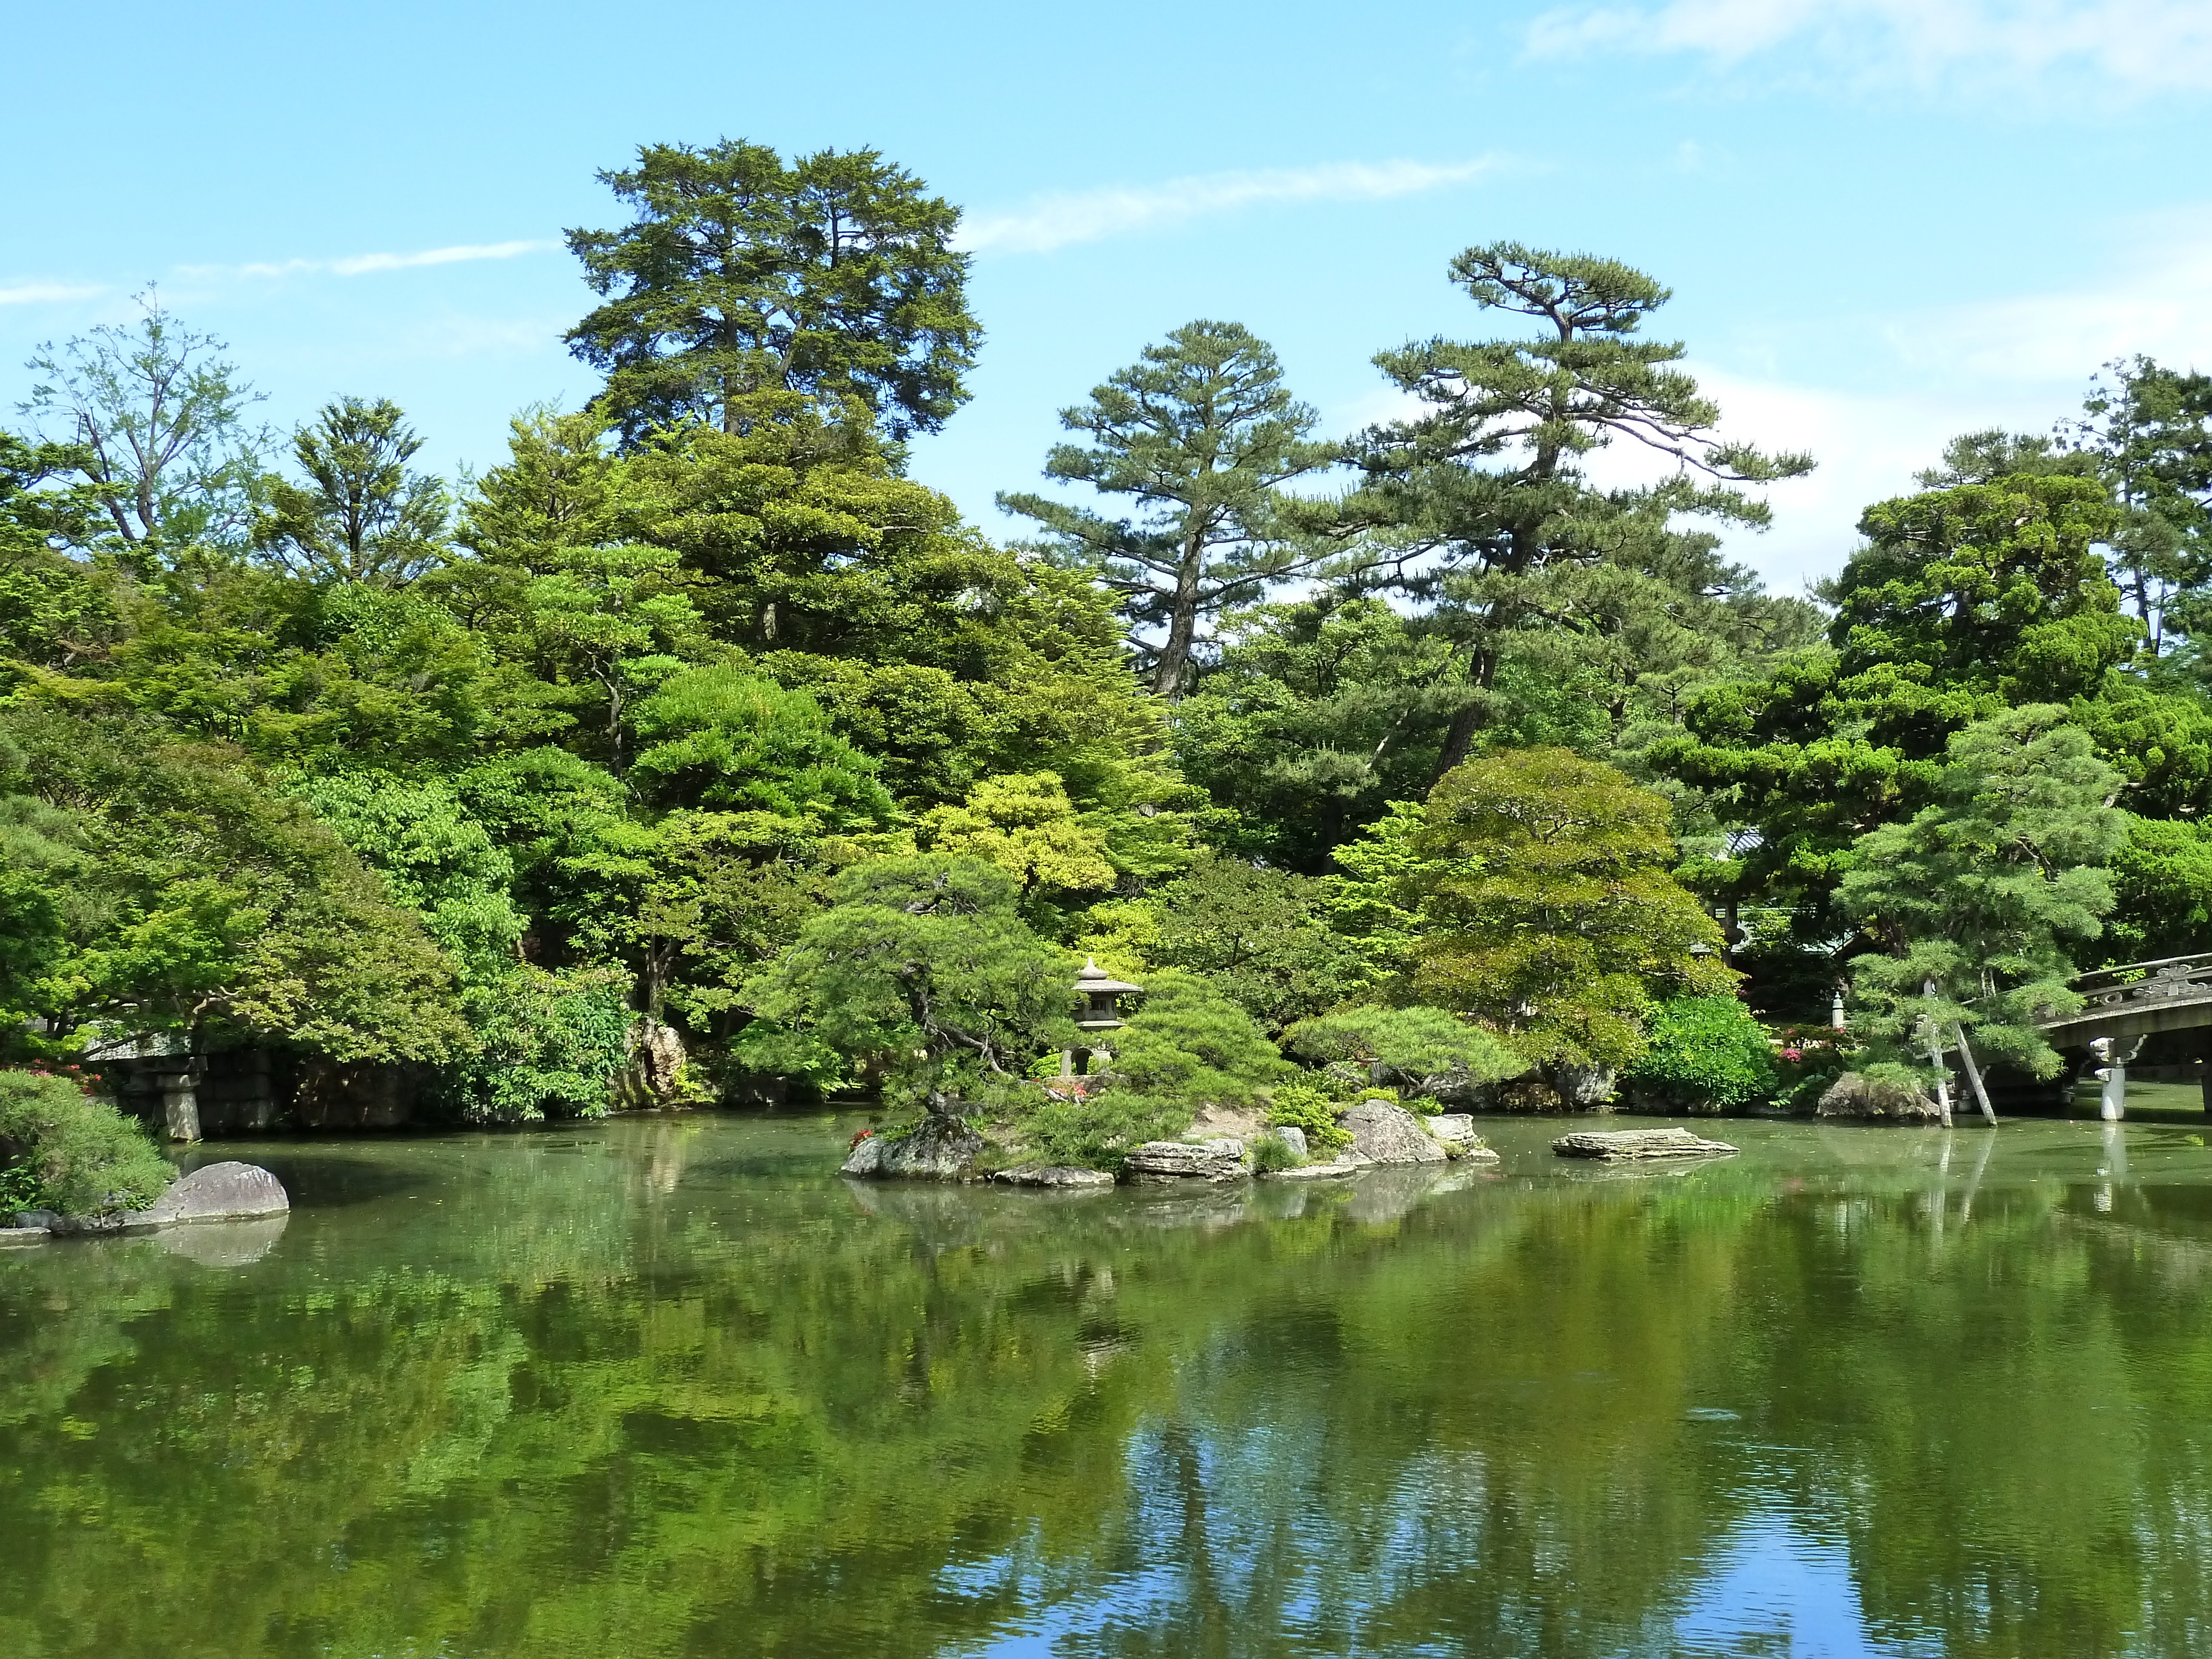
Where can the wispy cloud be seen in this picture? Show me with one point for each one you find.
(361, 265)
(2141, 45)
(1056, 221)
(45, 294)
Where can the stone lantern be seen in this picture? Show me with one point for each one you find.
(1100, 1012)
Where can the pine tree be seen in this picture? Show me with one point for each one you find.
(1977, 901)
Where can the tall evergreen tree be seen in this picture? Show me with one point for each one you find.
(1200, 437)
(744, 281)
(360, 516)
(1976, 902)
(1482, 495)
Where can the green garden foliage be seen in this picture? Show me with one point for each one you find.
(1979, 900)
(700, 706)
(1707, 1054)
(923, 968)
(62, 1150)
(1425, 1049)
(1300, 1105)
(545, 1044)
(2161, 892)
(1095, 1131)
(1563, 925)
(1192, 1043)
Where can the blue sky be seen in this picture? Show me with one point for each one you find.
(1885, 221)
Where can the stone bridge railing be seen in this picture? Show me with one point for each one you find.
(2137, 999)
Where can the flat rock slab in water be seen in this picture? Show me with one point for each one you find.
(1315, 1172)
(1221, 1159)
(1054, 1175)
(1625, 1145)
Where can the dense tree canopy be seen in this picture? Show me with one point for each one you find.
(695, 736)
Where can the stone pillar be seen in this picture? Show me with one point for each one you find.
(180, 1106)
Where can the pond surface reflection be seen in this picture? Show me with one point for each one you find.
(666, 1387)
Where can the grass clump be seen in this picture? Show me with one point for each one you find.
(62, 1150)
(1272, 1153)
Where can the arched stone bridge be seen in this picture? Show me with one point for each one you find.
(2124, 1004)
(2132, 1001)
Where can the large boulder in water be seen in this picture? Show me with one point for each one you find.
(220, 1192)
(1853, 1094)
(1384, 1133)
(939, 1148)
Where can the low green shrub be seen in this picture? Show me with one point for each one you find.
(1096, 1131)
(1302, 1106)
(1424, 1049)
(1271, 1154)
(1190, 1042)
(1707, 1054)
(67, 1151)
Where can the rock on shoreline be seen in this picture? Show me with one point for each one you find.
(215, 1192)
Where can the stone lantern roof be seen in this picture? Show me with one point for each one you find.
(1098, 990)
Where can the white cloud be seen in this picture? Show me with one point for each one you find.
(42, 293)
(358, 265)
(1056, 221)
(2145, 46)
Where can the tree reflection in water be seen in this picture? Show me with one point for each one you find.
(664, 1388)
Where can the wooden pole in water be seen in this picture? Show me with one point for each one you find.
(1973, 1073)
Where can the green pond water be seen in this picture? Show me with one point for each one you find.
(669, 1387)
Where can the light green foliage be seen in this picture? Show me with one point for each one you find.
(1567, 926)
(1097, 1131)
(1200, 437)
(1376, 898)
(435, 858)
(360, 516)
(2162, 892)
(1707, 1054)
(1271, 1154)
(545, 1042)
(922, 965)
(196, 898)
(1025, 824)
(1426, 1050)
(721, 737)
(833, 278)
(148, 425)
(1300, 1105)
(1190, 1043)
(76, 1155)
(1983, 893)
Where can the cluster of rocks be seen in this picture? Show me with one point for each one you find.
(1382, 1133)
(214, 1192)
